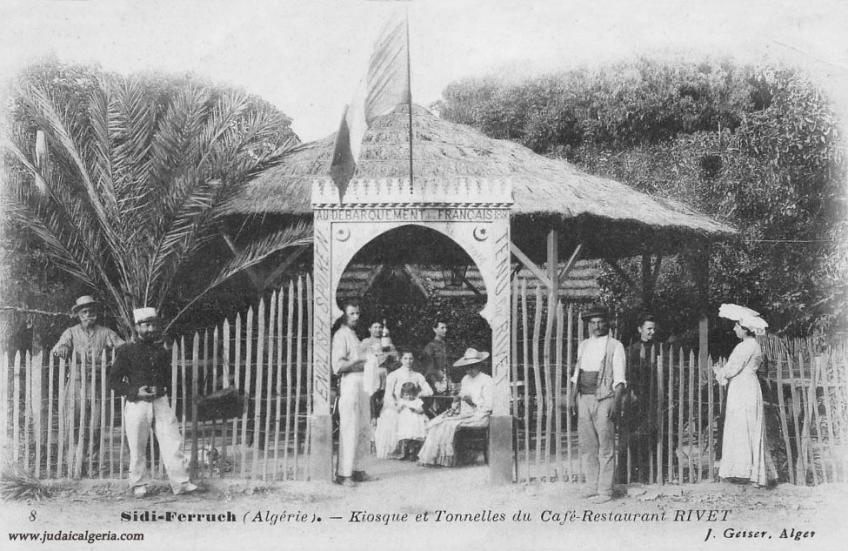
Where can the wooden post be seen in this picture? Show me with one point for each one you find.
(48, 459)
(569, 387)
(660, 424)
(37, 407)
(28, 376)
(546, 365)
(784, 426)
(831, 434)
(269, 383)
(289, 373)
(112, 426)
(513, 370)
(279, 381)
(558, 390)
(4, 406)
(102, 442)
(225, 354)
(195, 374)
(537, 376)
(309, 389)
(247, 394)
(526, 357)
(299, 372)
(691, 423)
(257, 414)
(237, 381)
(670, 419)
(78, 454)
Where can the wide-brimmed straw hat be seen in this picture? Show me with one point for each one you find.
(472, 356)
(82, 302)
(747, 318)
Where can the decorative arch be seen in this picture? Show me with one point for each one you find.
(474, 214)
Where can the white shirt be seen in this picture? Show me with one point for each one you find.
(345, 347)
(481, 390)
(591, 353)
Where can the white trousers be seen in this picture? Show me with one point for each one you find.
(354, 424)
(138, 417)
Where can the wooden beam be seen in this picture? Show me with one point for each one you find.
(283, 266)
(524, 259)
(416, 279)
(571, 261)
(553, 265)
(251, 272)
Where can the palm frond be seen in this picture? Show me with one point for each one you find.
(298, 235)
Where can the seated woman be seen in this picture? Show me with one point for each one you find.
(386, 435)
(471, 408)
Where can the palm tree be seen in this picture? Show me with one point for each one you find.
(124, 198)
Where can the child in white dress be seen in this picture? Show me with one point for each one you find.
(412, 422)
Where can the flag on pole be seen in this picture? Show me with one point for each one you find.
(386, 84)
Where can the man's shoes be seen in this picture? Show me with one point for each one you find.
(361, 476)
(140, 491)
(586, 494)
(345, 481)
(601, 498)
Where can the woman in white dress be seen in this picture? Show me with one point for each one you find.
(385, 436)
(744, 453)
(471, 408)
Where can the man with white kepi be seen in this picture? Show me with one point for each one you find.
(599, 381)
(141, 372)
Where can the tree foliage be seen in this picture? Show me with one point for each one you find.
(757, 147)
(120, 181)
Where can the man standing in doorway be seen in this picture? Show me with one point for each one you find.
(636, 425)
(599, 380)
(142, 373)
(354, 401)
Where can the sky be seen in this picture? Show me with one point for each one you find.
(306, 57)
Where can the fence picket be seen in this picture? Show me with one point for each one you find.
(569, 387)
(112, 425)
(48, 463)
(526, 357)
(27, 368)
(289, 344)
(195, 375)
(537, 377)
(92, 418)
(550, 312)
(38, 409)
(247, 371)
(299, 368)
(558, 391)
(4, 392)
(831, 437)
(691, 405)
(101, 442)
(710, 420)
(279, 382)
(660, 425)
(237, 381)
(269, 383)
(308, 336)
(257, 414)
(670, 417)
(784, 427)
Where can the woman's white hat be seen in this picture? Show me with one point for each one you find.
(144, 314)
(747, 318)
(471, 356)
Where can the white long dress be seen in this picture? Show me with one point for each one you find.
(743, 446)
(385, 435)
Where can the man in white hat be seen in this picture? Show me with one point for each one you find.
(87, 340)
(599, 380)
(141, 372)
(86, 337)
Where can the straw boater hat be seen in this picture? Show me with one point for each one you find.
(144, 314)
(596, 311)
(82, 302)
(471, 357)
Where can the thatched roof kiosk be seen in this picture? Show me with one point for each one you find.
(610, 219)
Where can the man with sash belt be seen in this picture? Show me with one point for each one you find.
(599, 379)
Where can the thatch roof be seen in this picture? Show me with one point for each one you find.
(444, 151)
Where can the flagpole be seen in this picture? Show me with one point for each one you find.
(409, 93)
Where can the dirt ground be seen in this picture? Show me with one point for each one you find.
(319, 515)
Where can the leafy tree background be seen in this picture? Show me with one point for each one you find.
(756, 146)
(30, 274)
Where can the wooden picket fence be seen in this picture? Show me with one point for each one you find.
(678, 438)
(266, 354)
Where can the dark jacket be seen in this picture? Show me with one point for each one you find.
(139, 364)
